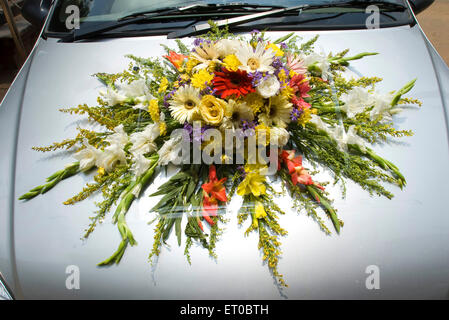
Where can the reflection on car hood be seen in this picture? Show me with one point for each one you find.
(405, 237)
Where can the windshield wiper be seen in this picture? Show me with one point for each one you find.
(203, 27)
(94, 30)
(144, 16)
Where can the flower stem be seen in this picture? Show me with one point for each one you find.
(54, 179)
(128, 196)
(317, 196)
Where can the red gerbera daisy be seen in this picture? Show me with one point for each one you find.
(227, 83)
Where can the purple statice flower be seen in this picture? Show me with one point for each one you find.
(295, 114)
(168, 97)
(198, 133)
(255, 31)
(277, 63)
(283, 45)
(188, 127)
(256, 77)
(197, 42)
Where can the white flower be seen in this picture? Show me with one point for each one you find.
(268, 86)
(382, 109)
(356, 101)
(87, 156)
(280, 135)
(143, 142)
(111, 156)
(184, 104)
(255, 60)
(278, 113)
(319, 60)
(136, 90)
(226, 47)
(170, 149)
(344, 138)
(112, 97)
(235, 113)
(206, 54)
(319, 123)
(140, 165)
(118, 137)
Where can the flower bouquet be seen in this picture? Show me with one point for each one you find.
(233, 114)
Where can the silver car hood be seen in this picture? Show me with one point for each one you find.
(406, 238)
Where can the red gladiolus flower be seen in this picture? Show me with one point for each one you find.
(300, 103)
(176, 59)
(213, 191)
(227, 83)
(300, 85)
(298, 173)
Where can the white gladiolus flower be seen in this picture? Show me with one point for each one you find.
(140, 165)
(87, 156)
(280, 135)
(112, 97)
(356, 101)
(136, 90)
(268, 87)
(143, 142)
(118, 137)
(111, 156)
(170, 150)
(319, 123)
(344, 138)
(382, 107)
(320, 60)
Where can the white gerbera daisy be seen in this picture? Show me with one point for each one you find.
(206, 54)
(254, 60)
(278, 112)
(184, 104)
(236, 112)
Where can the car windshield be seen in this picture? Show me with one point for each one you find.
(106, 11)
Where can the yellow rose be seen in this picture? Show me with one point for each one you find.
(212, 109)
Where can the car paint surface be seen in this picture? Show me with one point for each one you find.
(406, 238)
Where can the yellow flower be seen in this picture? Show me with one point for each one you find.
(201, 79)
(153, 109)
(212, 109)
(101, 171)
(287, 92)
(252, 184)
(254, 101)
(231, 62)
(277, 51)
(163, 128)
(258, 214)
(282, 76)
(262, 133)
(163, 85)
(191, 62)
(292, 73)
(260, 211)
(306, 116)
